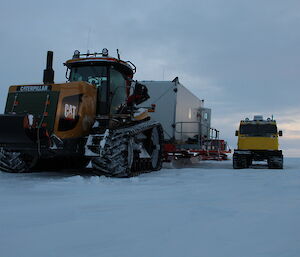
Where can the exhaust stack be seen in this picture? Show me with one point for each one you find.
(49, 72)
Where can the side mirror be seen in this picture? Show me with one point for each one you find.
(140, 94)
(280, 133)
(236, 133)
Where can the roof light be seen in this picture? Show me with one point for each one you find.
(104, 52)
(258, 118)
(76, 54)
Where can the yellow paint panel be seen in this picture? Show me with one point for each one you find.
(86, 112)
(258, 143)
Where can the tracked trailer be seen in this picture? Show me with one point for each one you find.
(89, 121)
(186, 122)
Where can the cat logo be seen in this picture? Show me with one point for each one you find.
(70, 112)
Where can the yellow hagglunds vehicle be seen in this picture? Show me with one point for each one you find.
(258, 141)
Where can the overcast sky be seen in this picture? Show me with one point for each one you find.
(242, 57)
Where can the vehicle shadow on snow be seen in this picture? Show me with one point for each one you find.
(182, 164)
(224, 165)
(174, 165)
(48, 174)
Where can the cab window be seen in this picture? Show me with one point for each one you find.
(97, 76)
(262, 130)
(92, 74)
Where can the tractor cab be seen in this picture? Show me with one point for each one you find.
(112, 77)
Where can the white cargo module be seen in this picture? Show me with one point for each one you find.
(180, 112)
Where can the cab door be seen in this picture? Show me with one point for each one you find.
(117, 88)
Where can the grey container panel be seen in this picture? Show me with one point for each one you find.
(178, 110)
(163, 95)
(187, 117)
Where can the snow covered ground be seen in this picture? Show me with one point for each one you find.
(205, 210)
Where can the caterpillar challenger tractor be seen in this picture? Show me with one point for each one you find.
(258, 141)
(90, 121)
